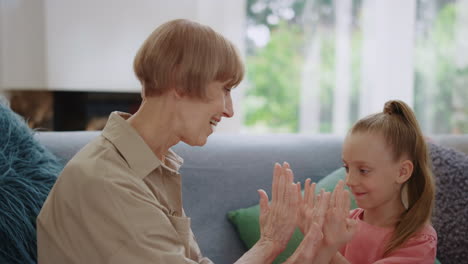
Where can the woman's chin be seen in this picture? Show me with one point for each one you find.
(198, 142)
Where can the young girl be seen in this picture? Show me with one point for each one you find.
(388, 172)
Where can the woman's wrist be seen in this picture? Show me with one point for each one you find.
(274, 247)
(264, 251)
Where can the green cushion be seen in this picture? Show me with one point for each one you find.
(247, 225)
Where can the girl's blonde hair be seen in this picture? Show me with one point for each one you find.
(186, 55)
(398, 124)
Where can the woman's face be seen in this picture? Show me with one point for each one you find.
(199, 118)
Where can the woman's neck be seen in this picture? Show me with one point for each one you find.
(153, 122)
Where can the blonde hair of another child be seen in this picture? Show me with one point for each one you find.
(398, 124)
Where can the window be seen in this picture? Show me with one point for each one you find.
(316, 66)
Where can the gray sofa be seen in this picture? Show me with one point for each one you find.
(225, 174)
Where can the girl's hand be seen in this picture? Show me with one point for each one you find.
(278, 219)
(338, 228)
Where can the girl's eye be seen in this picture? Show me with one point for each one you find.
(346, 168)
(363, 171)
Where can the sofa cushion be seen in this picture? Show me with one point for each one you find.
(246, 219)
(450, 218)
(27, 173)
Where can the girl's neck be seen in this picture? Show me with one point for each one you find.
(386, 215)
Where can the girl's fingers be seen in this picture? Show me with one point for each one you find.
(299, 195)
(347, 201)
(322, 207)
(306, 190)
(311, 199)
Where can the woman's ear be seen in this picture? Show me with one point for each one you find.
(177, 92)
(406, 170)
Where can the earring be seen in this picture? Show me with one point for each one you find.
(404, 195)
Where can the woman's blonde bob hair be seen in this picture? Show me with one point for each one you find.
(186, 56)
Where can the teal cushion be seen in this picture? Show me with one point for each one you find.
(246, 219)
(27, 173)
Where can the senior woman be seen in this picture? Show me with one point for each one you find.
(119, 199)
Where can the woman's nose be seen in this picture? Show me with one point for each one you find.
(228, 107)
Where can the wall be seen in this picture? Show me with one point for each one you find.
(89, 45)
(22, 40)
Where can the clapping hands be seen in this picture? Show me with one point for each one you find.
(322, 218)
(338, 228)
(326, 216)
(278, 218)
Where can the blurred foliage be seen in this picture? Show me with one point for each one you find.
(438, 81)
(274, 71)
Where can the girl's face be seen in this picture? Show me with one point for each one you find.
(371, 171)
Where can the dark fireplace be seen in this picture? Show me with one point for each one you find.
(71, 111)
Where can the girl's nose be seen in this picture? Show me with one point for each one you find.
(350, 180)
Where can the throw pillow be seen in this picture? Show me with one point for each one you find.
(246, 220)
(27, 173)
(450, 217)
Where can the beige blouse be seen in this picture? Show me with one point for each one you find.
(116, 202)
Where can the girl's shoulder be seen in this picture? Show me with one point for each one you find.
(427, 233)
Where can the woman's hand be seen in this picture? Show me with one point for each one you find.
(278, 219)
(307, 251)
(306, 207)
(338, 228)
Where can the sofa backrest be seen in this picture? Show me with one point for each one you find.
(225, 174)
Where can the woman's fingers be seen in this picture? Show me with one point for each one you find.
(276, 177)
(281, 185)
(263, 201)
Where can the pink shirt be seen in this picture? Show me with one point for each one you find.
(368, 245)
